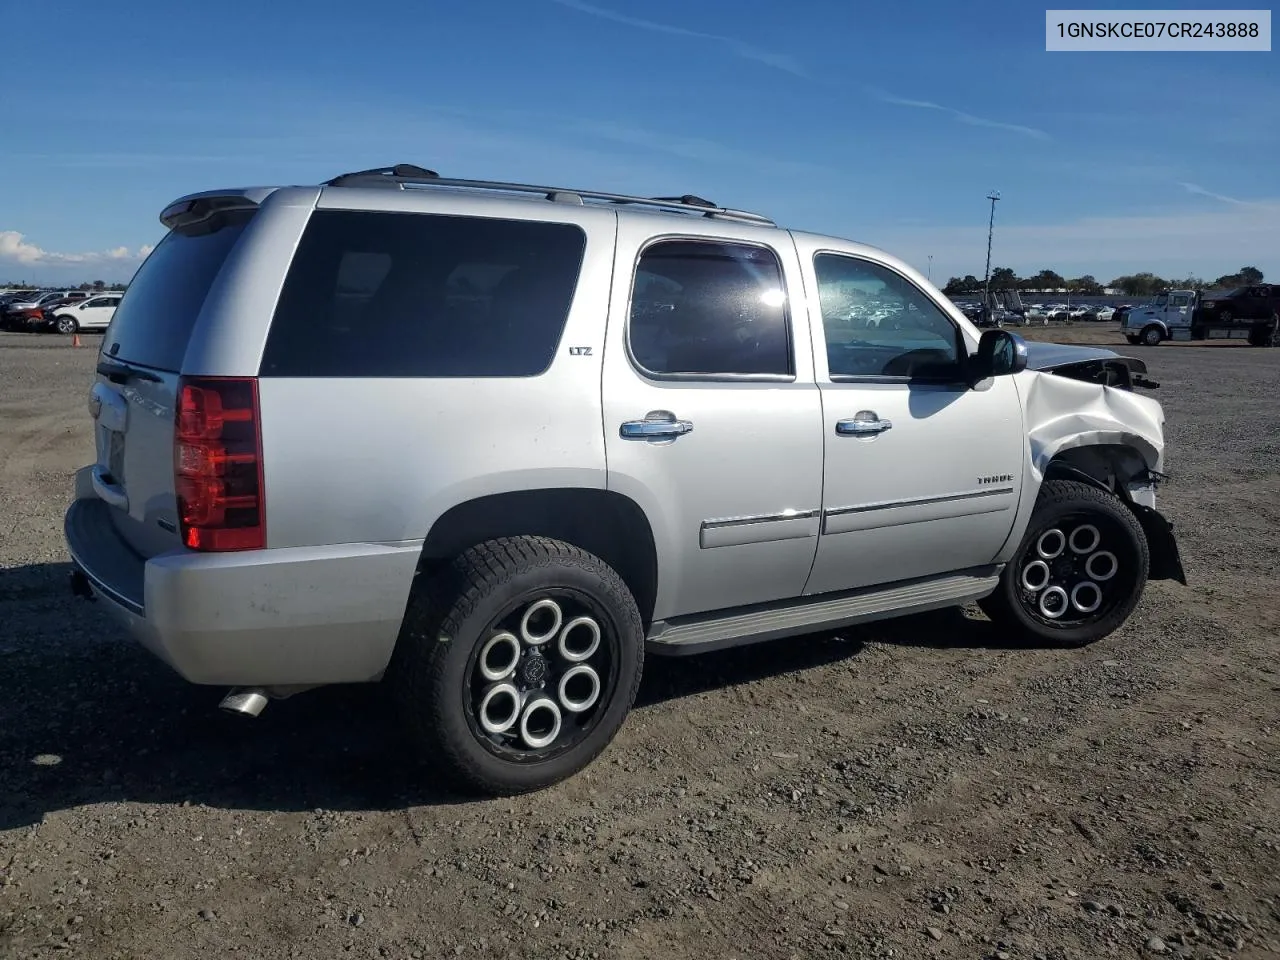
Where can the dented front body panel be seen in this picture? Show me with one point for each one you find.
(1108, 435)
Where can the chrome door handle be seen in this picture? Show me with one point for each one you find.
(657, 425)
(864, 423)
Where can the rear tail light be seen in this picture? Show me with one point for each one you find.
(217, 464)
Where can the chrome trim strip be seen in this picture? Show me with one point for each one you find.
(760, 518)
(919, 502)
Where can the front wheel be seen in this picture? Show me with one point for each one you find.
(1078, 573)
(517, 664)
(66, 324)
(1151, 336)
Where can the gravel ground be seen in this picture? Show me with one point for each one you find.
(915, 789)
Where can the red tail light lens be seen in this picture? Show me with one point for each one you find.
(217, 464)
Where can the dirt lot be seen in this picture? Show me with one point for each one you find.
(914, 790)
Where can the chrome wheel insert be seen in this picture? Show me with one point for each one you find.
(1051, 544)
(540, 678)
(1067, 576)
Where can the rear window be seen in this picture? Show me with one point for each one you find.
(375, 294)
(156, 317)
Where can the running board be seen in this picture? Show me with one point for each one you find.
(682, 636)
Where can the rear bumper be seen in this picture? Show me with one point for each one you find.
(290, 616)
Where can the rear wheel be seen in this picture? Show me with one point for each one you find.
(517, 664)
(1266, 334)
(1078, 573)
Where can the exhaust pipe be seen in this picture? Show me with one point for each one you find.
(247, 702)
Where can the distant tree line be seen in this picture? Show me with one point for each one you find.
(99, 285)
(1130, 285)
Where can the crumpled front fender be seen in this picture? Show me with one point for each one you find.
(1062, 414)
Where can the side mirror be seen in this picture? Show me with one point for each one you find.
(1000, 354)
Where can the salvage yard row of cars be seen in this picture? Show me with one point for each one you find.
(66, 311)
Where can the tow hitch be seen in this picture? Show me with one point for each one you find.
(80, 585)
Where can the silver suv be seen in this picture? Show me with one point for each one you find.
(492, 443)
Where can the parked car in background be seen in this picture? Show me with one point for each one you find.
(1256, 302)
(1105, 314)
(94, 313)
(11, 296)
(29, 314)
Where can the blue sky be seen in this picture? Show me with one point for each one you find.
(885, 123)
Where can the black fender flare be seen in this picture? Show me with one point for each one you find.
(1166, 560)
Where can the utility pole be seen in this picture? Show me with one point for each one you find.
(993, 196)
(930, 277)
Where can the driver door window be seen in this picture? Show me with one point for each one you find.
(878, 324)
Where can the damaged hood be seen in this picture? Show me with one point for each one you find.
(1052, 356)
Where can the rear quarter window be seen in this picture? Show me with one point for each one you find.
(154, 321)
(376, 294)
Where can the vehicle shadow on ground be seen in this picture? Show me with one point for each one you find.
(87, 716)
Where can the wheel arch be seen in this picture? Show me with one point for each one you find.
(1158, 324)
(603, 522)
(1125, 471)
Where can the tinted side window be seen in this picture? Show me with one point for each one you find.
(708, 308)
(879, 324)
(422, 295)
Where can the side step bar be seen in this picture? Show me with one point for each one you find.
(682, 636)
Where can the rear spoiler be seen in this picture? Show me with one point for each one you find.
(196, 207)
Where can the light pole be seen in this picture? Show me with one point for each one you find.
(930, 276)
(993, 196)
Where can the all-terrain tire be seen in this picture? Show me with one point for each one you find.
(1069, 506)
(452, 614)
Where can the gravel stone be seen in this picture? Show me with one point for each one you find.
(835, 792)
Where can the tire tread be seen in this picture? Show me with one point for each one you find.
(1001, 608)
(439, 605)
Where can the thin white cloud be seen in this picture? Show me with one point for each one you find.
(15, 249)
(959, 115)
(1223, 198)
(779, 61)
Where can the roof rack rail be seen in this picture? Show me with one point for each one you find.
(406, 174)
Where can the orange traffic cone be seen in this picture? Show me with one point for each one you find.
(75, 339)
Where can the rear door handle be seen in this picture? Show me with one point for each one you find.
(864, 423)
(657, 425)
